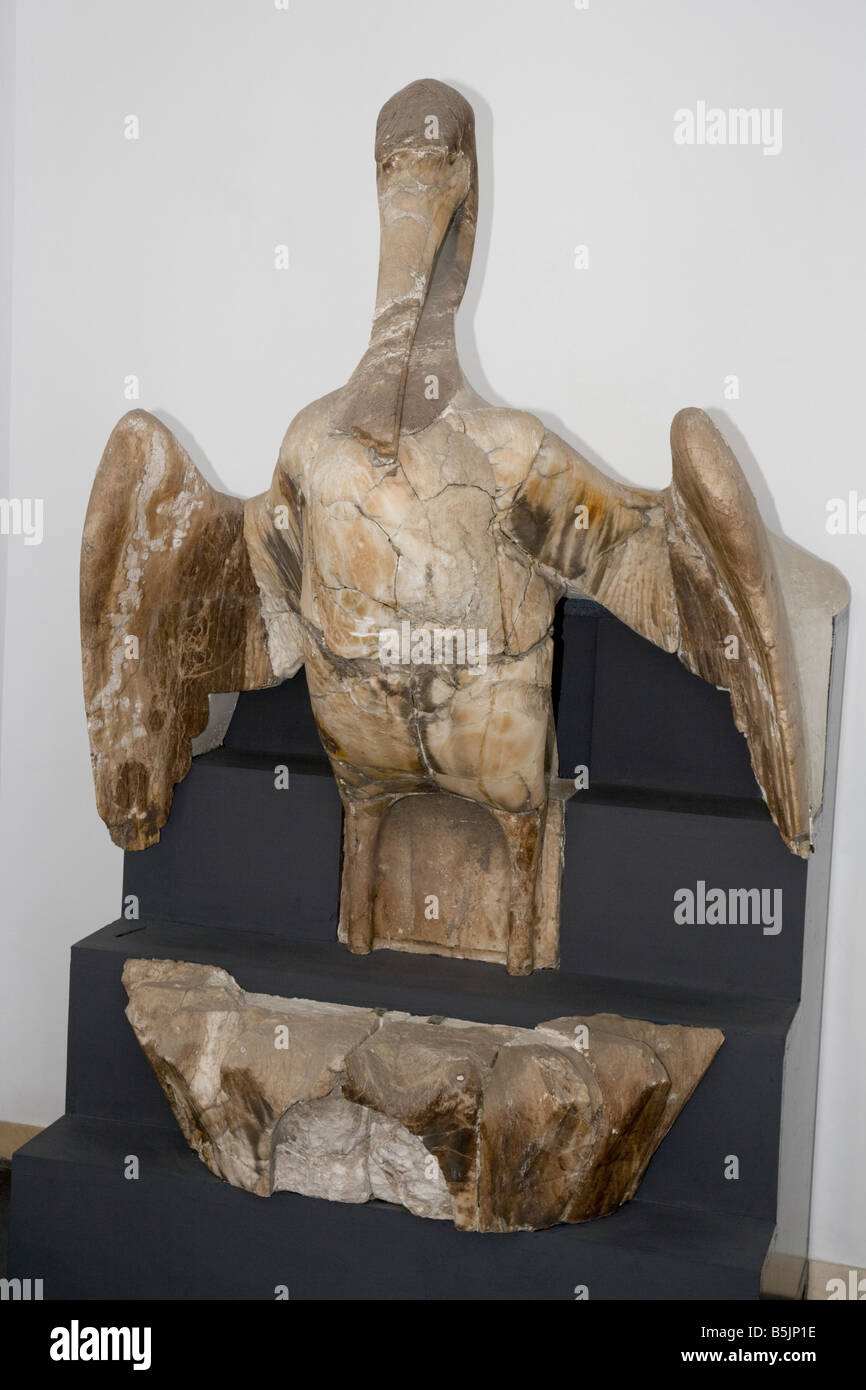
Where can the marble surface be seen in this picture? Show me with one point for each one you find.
(493, 1127)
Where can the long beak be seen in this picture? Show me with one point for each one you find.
(417, 199)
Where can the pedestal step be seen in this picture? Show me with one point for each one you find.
(734, 1112)
(177, 1232)
(242, 852)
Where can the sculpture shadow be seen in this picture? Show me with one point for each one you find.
(750, 466)
(189, 442)
(467, 343)
(471, 358)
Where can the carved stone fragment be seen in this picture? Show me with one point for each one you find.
(493, 1127)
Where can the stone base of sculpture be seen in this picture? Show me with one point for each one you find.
(492, 1127)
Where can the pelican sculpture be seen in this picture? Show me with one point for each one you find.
(405, 501)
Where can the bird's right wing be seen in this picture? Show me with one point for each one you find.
(170, 613)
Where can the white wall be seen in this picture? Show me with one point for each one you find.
(155, 257)
(7, 177)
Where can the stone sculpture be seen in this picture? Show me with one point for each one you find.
(405, 506)
(495, 1128)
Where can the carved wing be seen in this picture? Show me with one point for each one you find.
(169, 614)
(688, 568)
